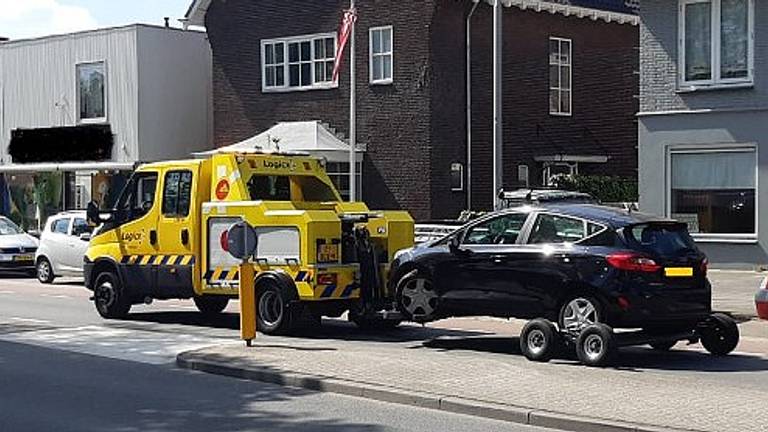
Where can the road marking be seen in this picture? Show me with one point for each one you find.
(56, 296)
(7, 292)
(29, 320)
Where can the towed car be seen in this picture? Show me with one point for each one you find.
(574, 265)
(17, 248)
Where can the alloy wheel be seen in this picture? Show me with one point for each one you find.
(43, 271)
(578, 314)
(419, 298)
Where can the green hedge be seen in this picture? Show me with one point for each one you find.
(604, 188)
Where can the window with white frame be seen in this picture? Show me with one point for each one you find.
(716, 42)
(560, 73)
(298, 63)
(339, 175)
(381, 49)
(91, 92)
(457, 177)
(714, 190)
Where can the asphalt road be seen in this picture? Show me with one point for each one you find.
(63, 368)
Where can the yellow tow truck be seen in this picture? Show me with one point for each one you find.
(316, 255)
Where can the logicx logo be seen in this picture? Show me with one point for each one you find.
(280, 164)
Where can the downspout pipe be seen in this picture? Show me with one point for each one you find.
(469, 102)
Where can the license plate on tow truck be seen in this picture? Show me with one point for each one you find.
(678, 272)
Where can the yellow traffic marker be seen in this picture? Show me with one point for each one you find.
(247, 303)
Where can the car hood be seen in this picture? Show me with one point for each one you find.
(18, 240)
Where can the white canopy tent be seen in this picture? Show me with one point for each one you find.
(311, 137)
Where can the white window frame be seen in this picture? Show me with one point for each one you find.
(715, 81)
(390, 54)
(286, 87)
(718, 148)
(460, 169)
(570, 76)
(96, 120)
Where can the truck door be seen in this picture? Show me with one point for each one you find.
(176, 233)
(136, 220)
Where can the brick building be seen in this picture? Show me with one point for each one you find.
(569, 85)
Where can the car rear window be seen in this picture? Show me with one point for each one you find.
(660, 239)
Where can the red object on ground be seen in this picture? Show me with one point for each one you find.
(761, 300)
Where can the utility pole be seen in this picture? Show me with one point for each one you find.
(498, 139)
(352, 114)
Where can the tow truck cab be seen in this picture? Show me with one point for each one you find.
(166, 238)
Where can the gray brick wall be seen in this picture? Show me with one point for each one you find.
(658, 64)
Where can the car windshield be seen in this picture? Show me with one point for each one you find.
(9, 228)
(660, 239)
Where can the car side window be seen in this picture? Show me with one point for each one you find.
(501, 230)
(60, 226)
(558, 229)
(177, 193)
(80, 227)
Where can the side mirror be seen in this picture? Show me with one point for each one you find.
(86, 237)
(455, 244)
(92, 213)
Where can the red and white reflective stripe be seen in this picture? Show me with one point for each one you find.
(761, 300)
(347, 24)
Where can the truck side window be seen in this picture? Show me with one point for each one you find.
(138, 198)
(269, 188)
(177, 193)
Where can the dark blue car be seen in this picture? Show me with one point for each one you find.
(575, 265)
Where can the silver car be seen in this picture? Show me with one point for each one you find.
(63, 244)
(17, 248)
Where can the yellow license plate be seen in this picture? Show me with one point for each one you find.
(23, 258)
(678, 271)
(328, 253)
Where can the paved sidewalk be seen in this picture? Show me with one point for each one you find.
(482, 373)
(734, 291)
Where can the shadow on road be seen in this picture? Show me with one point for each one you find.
(331, 329)
(632, 359)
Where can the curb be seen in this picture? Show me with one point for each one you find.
(451, 404)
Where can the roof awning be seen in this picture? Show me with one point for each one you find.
(67, 167)
(310, 137)
(570, 10)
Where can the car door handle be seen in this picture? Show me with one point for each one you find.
(152, 237)
(184, 236)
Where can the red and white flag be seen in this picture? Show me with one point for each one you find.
(347, 24)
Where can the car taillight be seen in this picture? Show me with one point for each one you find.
(704, 266)
(327, 279)
(632, 262)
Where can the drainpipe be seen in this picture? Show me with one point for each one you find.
(469, 103)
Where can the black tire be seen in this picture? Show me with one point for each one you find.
(593, 318)
(425, 308)
(44, 271)
(211, 305)
(596, 345)
(540, 340)
(110, 297)
(663, 345)
(721, 335)
(273, 309)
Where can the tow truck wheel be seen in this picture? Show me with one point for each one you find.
(596, 345)
(109, 297)
(211, 305)
(273, 314)
(540, 340)
(721, 335)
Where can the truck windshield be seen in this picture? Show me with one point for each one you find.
(278, 188)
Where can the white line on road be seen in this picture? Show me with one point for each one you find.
(29, 320)
(7, 292)
(56, 296)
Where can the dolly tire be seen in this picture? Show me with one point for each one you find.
(211, 305)
(596, 345)
(721, 336)
(540, 341)
(110, 297)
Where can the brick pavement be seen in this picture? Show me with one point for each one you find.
(685, 389)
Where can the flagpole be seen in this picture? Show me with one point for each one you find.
(352, 116)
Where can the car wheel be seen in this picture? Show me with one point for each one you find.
(721, 336)
(662, 345)
(540, 341)
(578, 313)
(273, 314)
(596, 345)
(211, 304)
(44, 271)
(110, 297)
(417, 298)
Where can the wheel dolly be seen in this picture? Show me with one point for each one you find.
(597, 344)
